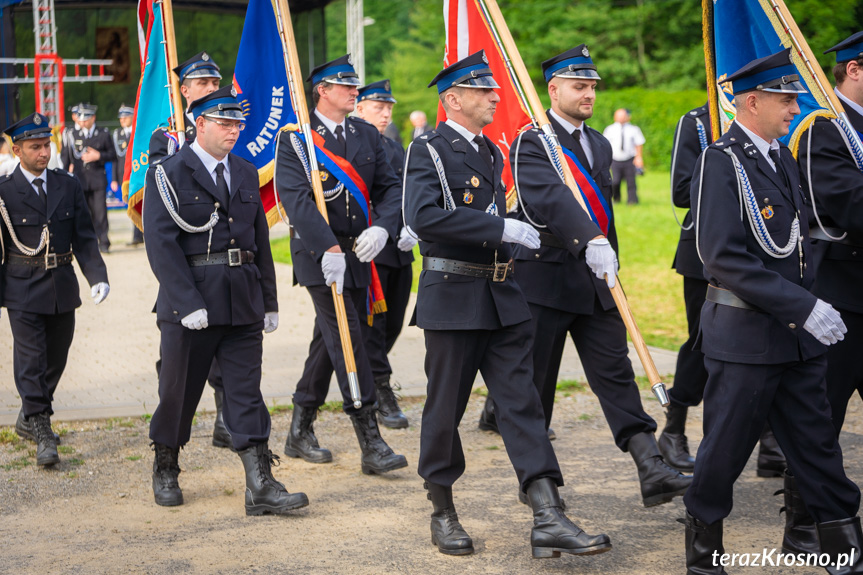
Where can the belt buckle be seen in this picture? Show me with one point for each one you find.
(500, 271)
(234, 257)
(50, 261)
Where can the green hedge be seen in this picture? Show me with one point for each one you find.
(656, 112)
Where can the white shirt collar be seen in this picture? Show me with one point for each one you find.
(763, 145)
(464, 132)
(30, 177)
(210, 162)
(851, 103)
(331, 126)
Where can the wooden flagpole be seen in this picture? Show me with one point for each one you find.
(298, 97)
(173, 79)
(540, 119)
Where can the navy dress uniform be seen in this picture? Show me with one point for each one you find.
(122, 138)
(692, 137)
(360, 144)
(475, 317)
(201, 65)
(395, 271)
(565, 295)
(50, 225)
(207, 241)
(762, 331)
(830, 174)
(92, 173)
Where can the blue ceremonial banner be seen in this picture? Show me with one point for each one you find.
(152, 110)
(262, 90)
(739, 31)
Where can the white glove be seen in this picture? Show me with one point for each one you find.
(602, 260)
(370, 243)
(407, 239)
(518, 232)
(333, 265)
(825, 323)
(99, 292)
(271, 321)
(196, 320)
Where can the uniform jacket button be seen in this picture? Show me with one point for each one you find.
(353, 217)
(230, 220)
(484, 244)
(792, 325)
(176, 312)
(233, 242)
(536, 256)
(446, 276)
(575, 241)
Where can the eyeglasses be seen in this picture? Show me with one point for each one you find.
(228, 125)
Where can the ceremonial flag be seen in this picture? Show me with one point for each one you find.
(739, 31)
(152, 110)
(468, 31)
(262, 90)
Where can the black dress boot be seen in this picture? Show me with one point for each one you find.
(487, 419)
(842, 540)
(801, 536)
(553, 532)
(446, 532)
(672, 442)
(771, 460)
(377, 455)
(702, 542)
(25, 430)
(221, 435)
(166, 470)
(301, 440)
(263, 493)
(659, 482)
(389, 413)
(46, 445)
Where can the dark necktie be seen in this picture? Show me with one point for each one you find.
(777, 161)
(340, 139)
(484, 151)
(42, 195)
(622, 126)
(579, 150)
(222, 184)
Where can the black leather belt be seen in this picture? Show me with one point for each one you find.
(230, 258)
(725, 297)
(53, 260)
(550, 240)
(816, 233)
(495, 272)
(346, 243)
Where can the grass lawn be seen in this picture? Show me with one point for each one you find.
(648, 238)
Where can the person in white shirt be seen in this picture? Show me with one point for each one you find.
(627, 142)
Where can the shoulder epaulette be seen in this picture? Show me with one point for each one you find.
(429, 135)
(358, 120)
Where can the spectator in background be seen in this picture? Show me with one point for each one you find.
(8, 160)
(627, 142)
(420, 124)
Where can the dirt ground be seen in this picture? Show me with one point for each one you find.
(94, 513)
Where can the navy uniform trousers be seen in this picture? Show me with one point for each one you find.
(471, 324)
(763, 366)
(235, 297)
(690, 375)
(565, 296)
(364, 150)
(41, 303)
(838, 184)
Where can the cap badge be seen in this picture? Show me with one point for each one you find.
(585, 53)
(387, 86)
(350, 62)
(37, 119)
(205, 57)
(233, 92)
(468, 197)
(484, 58)
(474, 181)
